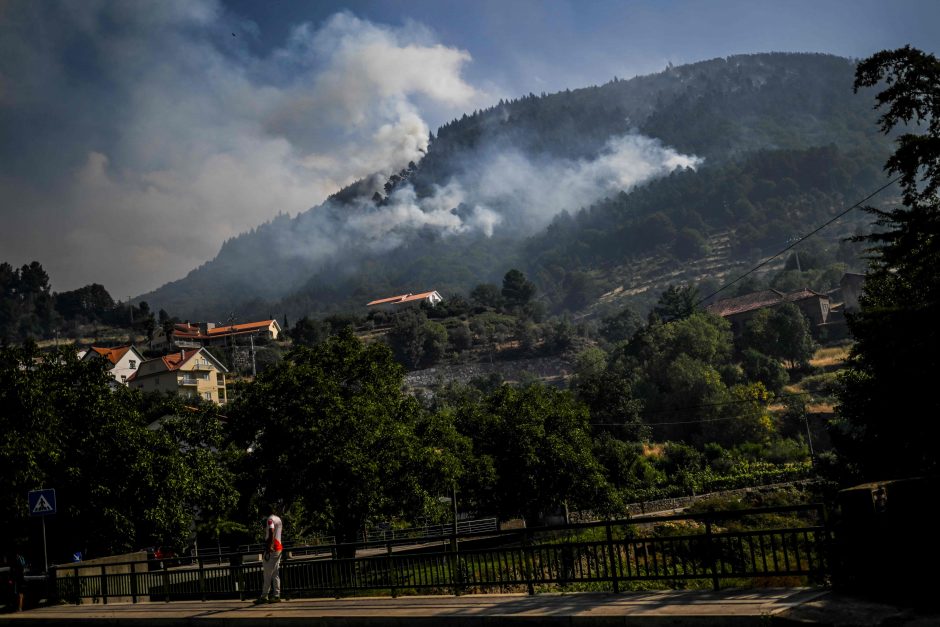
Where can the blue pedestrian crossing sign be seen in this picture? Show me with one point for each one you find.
(41, 502)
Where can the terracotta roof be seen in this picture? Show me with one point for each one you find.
(173, 361)
(402, 298)
(759, 300)
(193, 332)
(112, 354)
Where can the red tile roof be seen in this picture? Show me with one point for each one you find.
(112, 354)
(188, 331)
(173, 361)
(236, 328)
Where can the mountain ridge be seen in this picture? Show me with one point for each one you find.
(722, 111)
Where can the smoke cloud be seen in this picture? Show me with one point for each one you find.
(497, 188)
(140, 136)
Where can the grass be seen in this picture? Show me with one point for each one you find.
(831, 357)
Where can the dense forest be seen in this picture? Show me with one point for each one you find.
(30, 310)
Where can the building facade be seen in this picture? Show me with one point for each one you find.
(191, 374)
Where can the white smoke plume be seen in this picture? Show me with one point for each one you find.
(145, 134)
(497, 189)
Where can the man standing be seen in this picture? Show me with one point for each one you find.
(271, 586)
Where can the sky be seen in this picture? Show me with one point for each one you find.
(136, 137)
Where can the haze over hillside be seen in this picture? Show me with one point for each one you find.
(754, 147)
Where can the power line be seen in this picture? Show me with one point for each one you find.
(800, 240)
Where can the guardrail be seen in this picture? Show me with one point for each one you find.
(712, 547)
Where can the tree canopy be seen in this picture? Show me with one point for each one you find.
(887, 427)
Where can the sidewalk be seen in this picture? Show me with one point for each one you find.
(761, 607)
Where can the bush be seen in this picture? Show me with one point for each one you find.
(759, 367)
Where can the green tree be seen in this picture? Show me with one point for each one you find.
(769, 371)
(886, 427)
(537, 442)
(621, 326)
(331, 429)
(309, 331)
(517, 290)
(781, 332)
(487, 295)
(690, 244)
(677, 302)
(119, 484)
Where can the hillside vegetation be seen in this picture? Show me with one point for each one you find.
(779, 142)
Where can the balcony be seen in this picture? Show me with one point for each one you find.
(189, 381)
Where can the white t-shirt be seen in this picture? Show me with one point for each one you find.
(274, 523)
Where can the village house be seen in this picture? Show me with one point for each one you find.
(740, 309)
(121, 361)
(186, 335)
(405, 300)
(189, 373)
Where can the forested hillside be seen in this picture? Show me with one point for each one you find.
(570, 186)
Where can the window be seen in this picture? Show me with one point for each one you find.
(132, 363)
(123, 378)
(207, 396)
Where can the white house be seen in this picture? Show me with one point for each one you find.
(123, 361)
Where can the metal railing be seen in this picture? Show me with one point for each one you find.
(464, 527)
(714, 547)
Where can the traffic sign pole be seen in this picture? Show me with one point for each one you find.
(45, 551)
(42, 503)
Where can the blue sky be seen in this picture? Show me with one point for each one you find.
(529, 45)
(136, 137)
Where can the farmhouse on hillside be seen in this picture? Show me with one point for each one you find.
(740, 309)
(186, 335)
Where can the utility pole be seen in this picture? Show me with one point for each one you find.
(251, 338)
(809, 436)
(231, 340)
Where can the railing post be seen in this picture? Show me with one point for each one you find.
(134, 582)
(52, 583)
(528, 561)
(78, 587)
(389, 566)
(202, 577)
(711, 553)
(104, 585)
(166, 581)
(613, 553)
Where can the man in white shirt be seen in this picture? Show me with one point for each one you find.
(272, 559)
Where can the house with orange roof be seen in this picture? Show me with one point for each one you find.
(121, 361)
(194, 373)
(740, 309)
(186, 335)
(405, 300)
